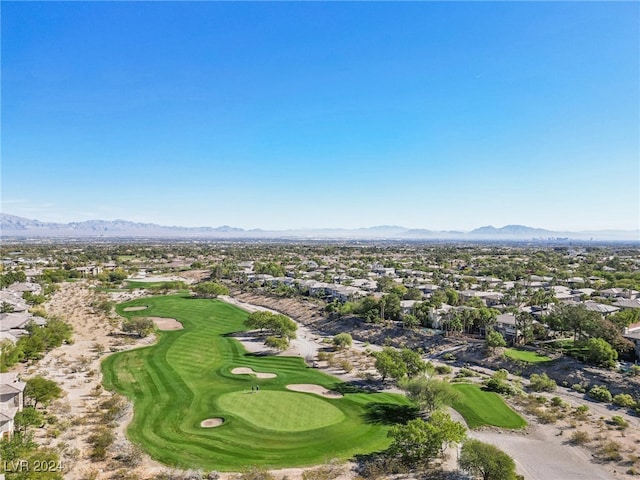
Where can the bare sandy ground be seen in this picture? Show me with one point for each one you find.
(212, 422)
(311, 388)
(249, 371)
(166, 323)
(542, 455)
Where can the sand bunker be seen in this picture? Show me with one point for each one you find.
(135, 309)
(247, 370)
(212, 422)
(166, 323)
(311, 388)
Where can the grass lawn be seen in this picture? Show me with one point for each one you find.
(480, 408)
(526, 356)
(186, 378)
(133, 284)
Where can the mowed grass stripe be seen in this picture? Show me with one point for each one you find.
(480, 408)
(176, 383)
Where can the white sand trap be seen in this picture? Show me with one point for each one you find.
(311, 388)
(212, 422)
(249, 371)
(166, 323)
(135, 309)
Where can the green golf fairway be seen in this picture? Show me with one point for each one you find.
(526, 356)
(186, 378)
(480, 408)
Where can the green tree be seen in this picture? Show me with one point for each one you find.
(278, 326)
(41, 390)
(494, 340)
(389, 363)
(599, 352)
(391, 306)
(430, 393)
(369, 309)
(413, 293)
(28, 417)
(385, 284)
(258, 320)
(486, 461)
(418, 442)
(210, 289)
(413, 362)
(438, 298)
(452, 297)
(10, 354)
(573, 318)
(410, 322)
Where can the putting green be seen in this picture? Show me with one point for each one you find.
(186, 377)
(281, 411)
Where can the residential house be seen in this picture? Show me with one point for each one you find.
(506, 325)
(632, 333)
(625, 303)
(11, 402)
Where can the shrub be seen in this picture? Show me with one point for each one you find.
(610, 451)
(624, 400)
(449, 357)
(323, 356)
(346, 365)
(342, 340)
(557, 402)
(466, 372)
(498, 383)
(100, 440)
(257, 473)
(600, 393)
(542, 383)
(619, 422)
(578, 387)
(547, 417)
(580, 438)
(581, 412)
(443, 369)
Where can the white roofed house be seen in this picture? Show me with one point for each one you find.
(11, 402)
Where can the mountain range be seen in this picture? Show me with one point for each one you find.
(12, 226)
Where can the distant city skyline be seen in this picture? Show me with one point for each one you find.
(446, 116)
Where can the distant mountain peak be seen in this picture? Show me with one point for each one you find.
(15, 226)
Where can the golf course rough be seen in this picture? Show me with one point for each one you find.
(186, 378)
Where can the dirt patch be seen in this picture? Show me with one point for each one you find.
(135, 309)
(166, 323)
(311, 388)
(249, 371)
(212, 422)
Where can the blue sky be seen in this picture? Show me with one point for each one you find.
(289, 115)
